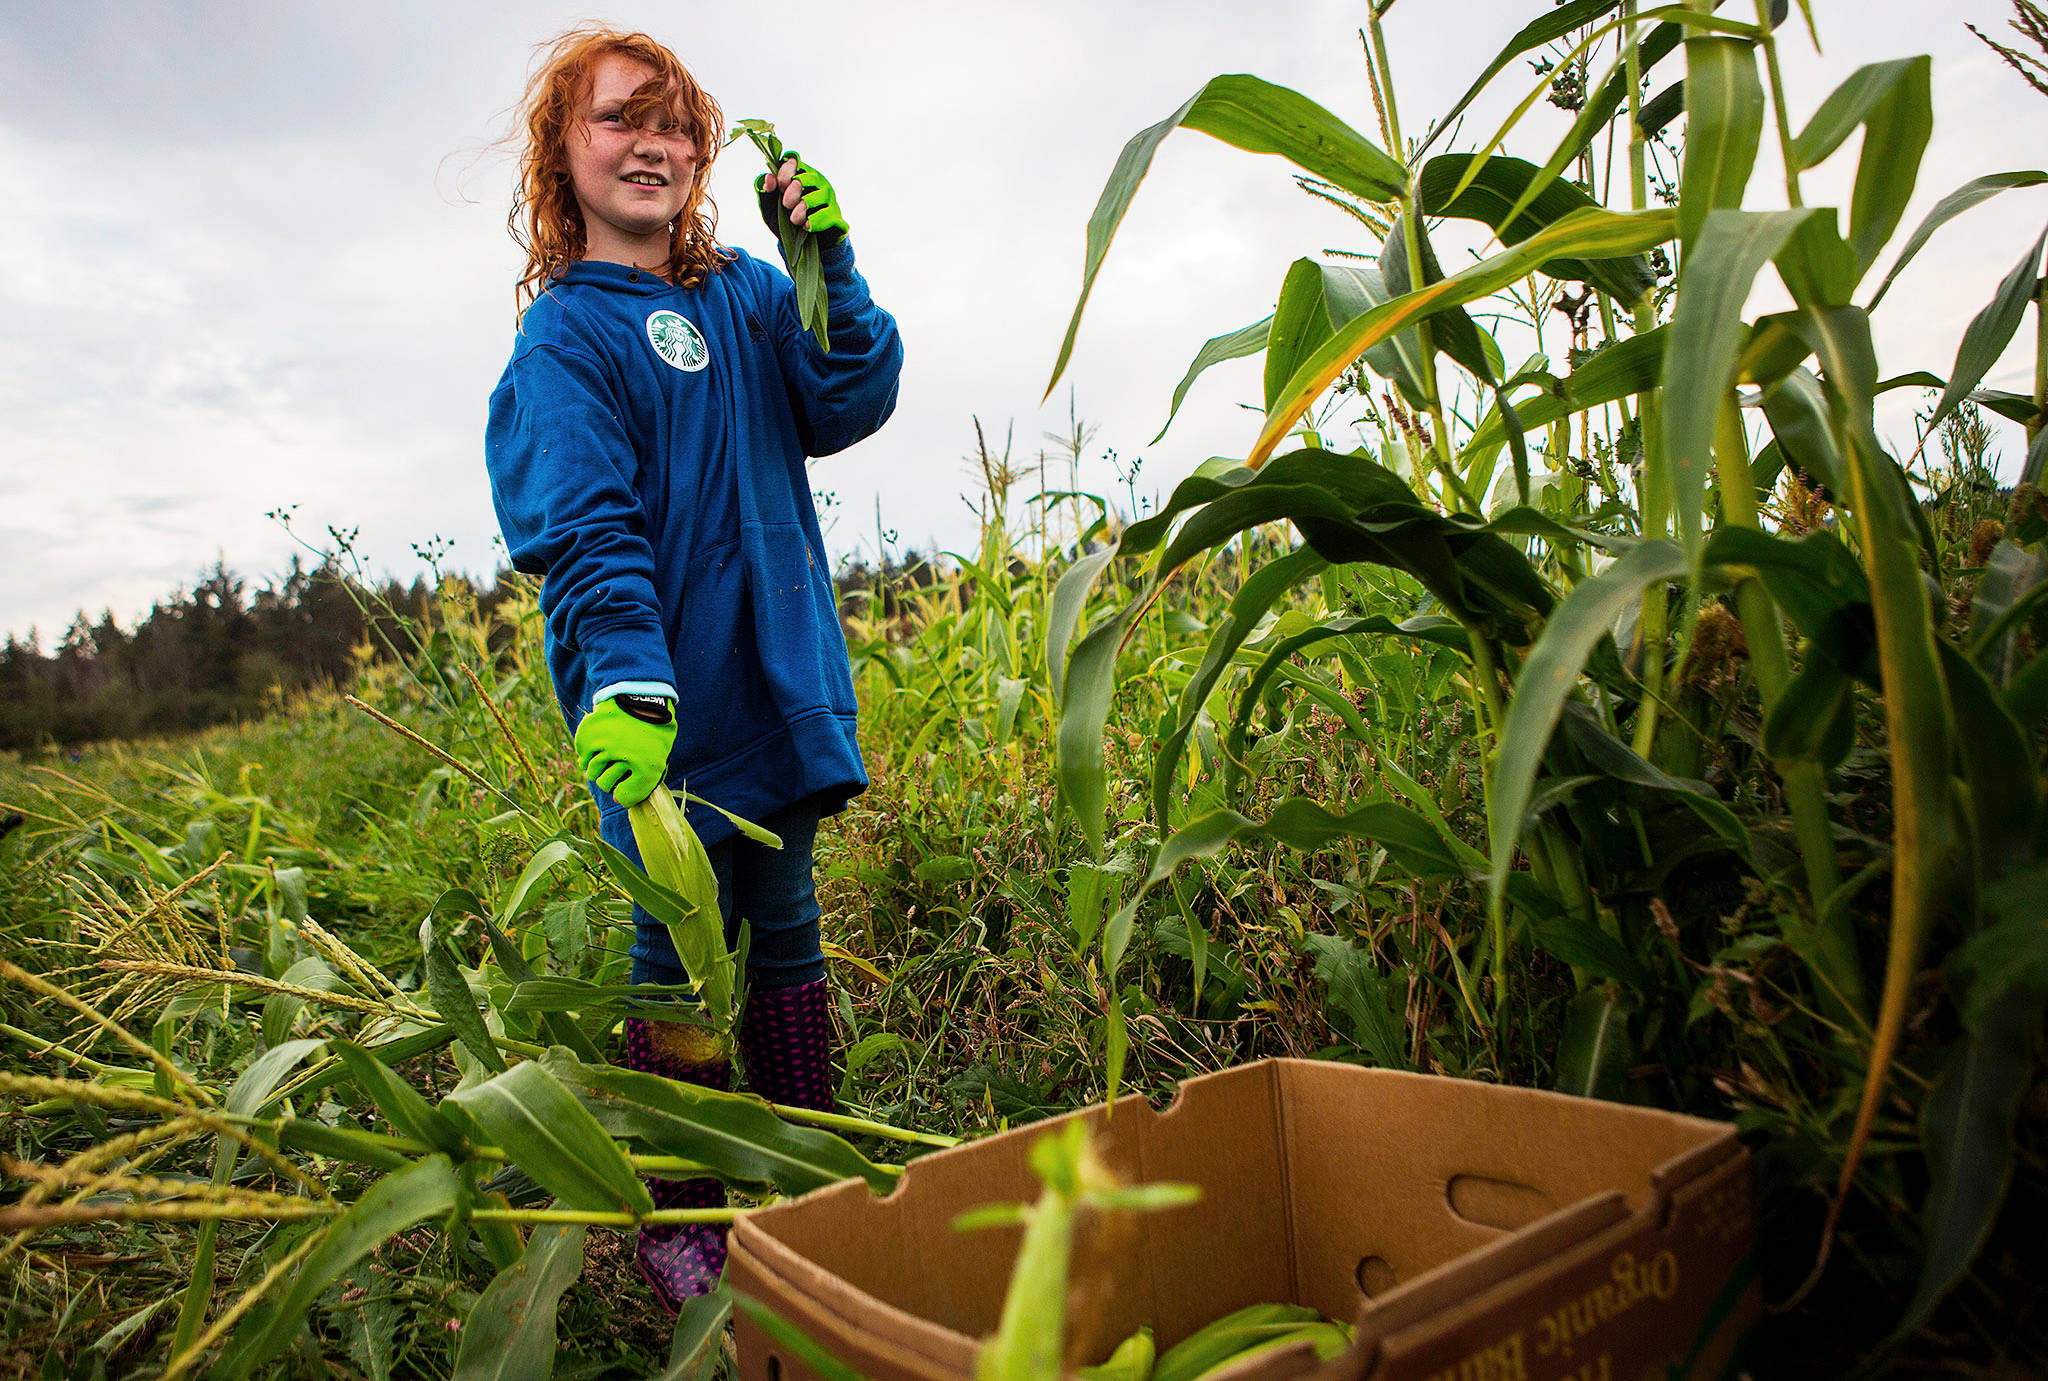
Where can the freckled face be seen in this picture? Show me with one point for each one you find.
(630, 180)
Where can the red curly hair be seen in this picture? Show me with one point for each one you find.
(546, 220)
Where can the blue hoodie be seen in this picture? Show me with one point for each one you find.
(646, 451)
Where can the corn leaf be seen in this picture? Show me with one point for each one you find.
(545, 860)
(1627, 367)
(510, 1332)
(1917, 718)
(409, 1114)
(1247, 607)
(1947, 209)
(1069, 602)
(1298, 325)
(556, 1028)
(1245, 340)
(1707, 333)
(1894, 101)
(1252, 115)
(1547, 28)
(1588, 233)
(425, 1189)
(2005, 800)
(1798, 415)
(1451, 329)
(251, 1094)
(1985, 339)
(1814, 720)
(736, 1136)
(539, 1123)
(1575, 627)
(341, 1142)
(1724, 121)
(2000, 979)
(1084, 713)
(693, 1350)
(453, 1001)
(1496, 198)
(1351, 290)
(1594, 1053)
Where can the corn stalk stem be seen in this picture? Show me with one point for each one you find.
(1654, 493)
(45, 1047)
(2040, 358)
(1411, 213)
(1486, 707)
(840, 1122)
(597, 1218)
(1770, 46)
(1805, 786)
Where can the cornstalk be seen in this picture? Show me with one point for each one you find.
(1805, 786)
(1770, 44)
(1411, 224)
(598, 1218)
(2040, 359)
(1654, 624)
(1487, 701)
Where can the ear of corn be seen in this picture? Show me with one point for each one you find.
(799, 246)
(674, 857)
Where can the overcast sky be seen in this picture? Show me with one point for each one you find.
(254, 257)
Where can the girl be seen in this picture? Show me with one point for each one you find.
(646, 451)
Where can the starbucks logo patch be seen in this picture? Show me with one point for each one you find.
(677, 340)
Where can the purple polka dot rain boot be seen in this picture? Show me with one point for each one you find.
(786, 1042)
(683, 1260)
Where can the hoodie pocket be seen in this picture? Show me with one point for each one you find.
(796, 619)
(724, 704)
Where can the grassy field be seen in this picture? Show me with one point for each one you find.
(964, 917)
(962, 1005)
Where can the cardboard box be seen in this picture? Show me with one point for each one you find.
(1474, 1233)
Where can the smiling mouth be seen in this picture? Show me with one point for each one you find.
(645, 179)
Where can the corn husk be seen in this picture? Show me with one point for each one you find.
(799, 246)
(673, 857)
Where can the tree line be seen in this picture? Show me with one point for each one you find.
(213, 654)
(218, 653)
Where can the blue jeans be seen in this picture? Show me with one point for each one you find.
(773, 890)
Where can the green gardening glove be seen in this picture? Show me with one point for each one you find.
(624, 747)
(822, 216)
